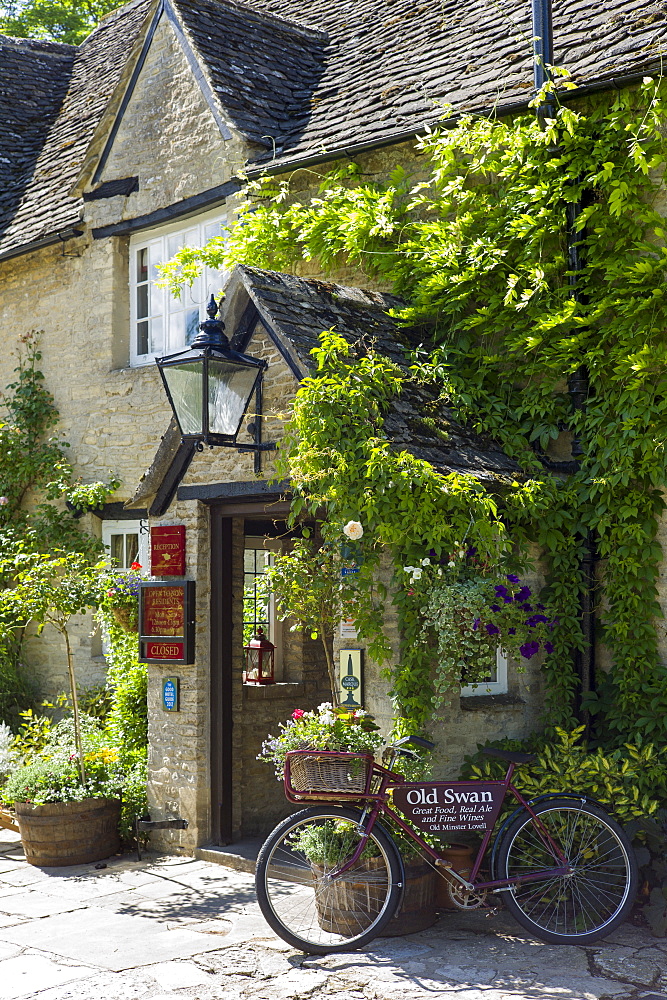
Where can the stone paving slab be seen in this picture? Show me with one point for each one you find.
(169, 928)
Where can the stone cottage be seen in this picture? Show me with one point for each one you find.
(115, 154)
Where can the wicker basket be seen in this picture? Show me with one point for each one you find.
(328, 773)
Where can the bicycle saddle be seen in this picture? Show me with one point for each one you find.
(511, 756)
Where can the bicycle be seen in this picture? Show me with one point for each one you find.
(330, 877)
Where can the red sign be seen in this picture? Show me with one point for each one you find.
(164, 650)
(168, 550)
(450, 806)
(163, 611)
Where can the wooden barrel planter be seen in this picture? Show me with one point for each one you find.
(68, 833)
(461, 858)
(347, 906)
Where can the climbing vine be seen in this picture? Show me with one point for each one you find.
(35, 480)
(476, 247)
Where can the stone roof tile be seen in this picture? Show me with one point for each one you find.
(298, 309)
(300, 78)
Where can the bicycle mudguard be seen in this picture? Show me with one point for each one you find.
(568, 797)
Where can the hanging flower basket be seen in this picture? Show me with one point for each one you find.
(126, 617)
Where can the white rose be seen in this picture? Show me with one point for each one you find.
(461, 553)
(353, 530)
(439, 571)
(426, 562)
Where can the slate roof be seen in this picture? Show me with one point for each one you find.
(297, 310)
(390, 64)
(262, 68)
(77, 85)
(300, 78)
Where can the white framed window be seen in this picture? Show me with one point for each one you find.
(126, 542)
(160, 323)
(259, 604)
(495, 683)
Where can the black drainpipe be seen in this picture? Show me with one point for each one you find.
(578, 382)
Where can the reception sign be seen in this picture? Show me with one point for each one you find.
(450, 806)
(168, 550)
(166, 622)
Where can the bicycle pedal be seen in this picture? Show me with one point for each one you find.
(491, 911)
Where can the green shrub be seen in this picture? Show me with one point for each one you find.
(17, 692)
(630, 781)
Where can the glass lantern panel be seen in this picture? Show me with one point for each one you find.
(229, 389)
(185, 387)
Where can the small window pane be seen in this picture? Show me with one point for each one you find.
(131, 549)
(191, 325)
(156, 335)
(142, 301)
(142, 338)
(142, 264)
(118, 549)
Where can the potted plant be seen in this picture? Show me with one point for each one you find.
(62, 820)
(119, 595)
(329, 729)
(59, 798)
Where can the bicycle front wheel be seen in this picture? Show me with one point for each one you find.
(302, 899)
(594, 897)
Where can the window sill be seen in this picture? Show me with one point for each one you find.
(485, 702)
(281, 689)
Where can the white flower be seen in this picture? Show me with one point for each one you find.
(326, 706)
(328, 718)
(416, 574)
(439, 571)
(451, 564)
(461, 553)
(426, 562)
(409, 569)
(353, 530)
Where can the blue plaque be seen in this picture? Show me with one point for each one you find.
(170, 694)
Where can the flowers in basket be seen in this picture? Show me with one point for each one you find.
(325, 728)
(120, 598)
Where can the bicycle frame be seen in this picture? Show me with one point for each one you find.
(379, 805)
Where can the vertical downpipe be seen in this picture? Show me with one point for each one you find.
(578, 382)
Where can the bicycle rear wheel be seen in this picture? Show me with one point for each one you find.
(303, 901)
(594, 898)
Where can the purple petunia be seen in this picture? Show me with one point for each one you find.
(495, 607)
(475, 624)
(529, 649)
(535, 620)
(522, 594)
(512, 577)
(501, 591)
(492, 629)
(549, 647)
(511, 631)
(527, 607)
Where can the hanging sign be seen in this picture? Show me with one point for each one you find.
(350, 679)
(168, 550)
(166, 622)
(450, 806)
(170, 694)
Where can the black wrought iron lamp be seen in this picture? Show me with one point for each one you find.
(209, 387)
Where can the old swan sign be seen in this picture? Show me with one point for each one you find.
(450, 806)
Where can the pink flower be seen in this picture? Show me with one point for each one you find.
(298, 713)
(4, 500)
